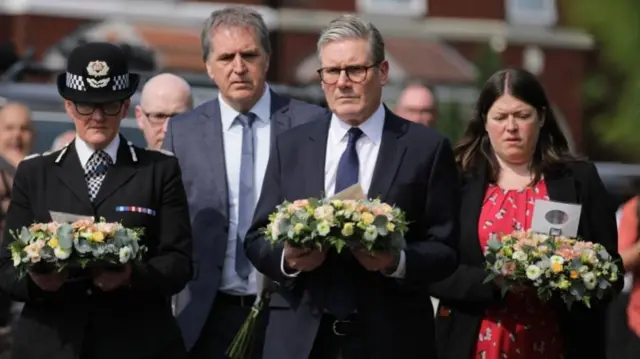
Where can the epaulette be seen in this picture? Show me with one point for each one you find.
(33, 155)
(161, 150)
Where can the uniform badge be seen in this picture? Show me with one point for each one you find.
(136, 209)
(98, 69)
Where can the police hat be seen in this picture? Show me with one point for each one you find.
(97, 72)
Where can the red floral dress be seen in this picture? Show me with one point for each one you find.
(523, 327)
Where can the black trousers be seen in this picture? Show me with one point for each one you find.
(223, 323)
(337, 339)
(622, 342)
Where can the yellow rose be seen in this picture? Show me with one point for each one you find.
(97, 237)
(367, 218)
(556, 267)
(391, 227)
(53, 243)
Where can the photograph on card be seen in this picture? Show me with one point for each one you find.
(556, 218)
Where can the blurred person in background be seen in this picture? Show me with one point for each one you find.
(62, 140)
(163, 96)
(512, 154)
(16, 141)
(417, 103)
(16, 133)
(625, 312)
(223, 146)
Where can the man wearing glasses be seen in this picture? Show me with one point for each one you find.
(103, 312)
(355, 304)
(163, 96)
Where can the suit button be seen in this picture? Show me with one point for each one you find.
(89, 292)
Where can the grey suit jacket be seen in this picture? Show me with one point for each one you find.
(196, 140)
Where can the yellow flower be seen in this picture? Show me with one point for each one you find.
(556, 267)
(97, 237)
(347, 229)
(391, 227)
(367, 218)
(563, 283)
(53, 243)
(298, 228)
(574, 275)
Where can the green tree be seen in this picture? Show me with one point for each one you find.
(614, 92)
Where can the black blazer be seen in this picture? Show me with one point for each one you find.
(414, 170)
(463, 297)
(127, 323)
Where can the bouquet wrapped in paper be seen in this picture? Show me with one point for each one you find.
(42, 247)
(575, 270)
(106, 243)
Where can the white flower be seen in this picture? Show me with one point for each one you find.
(15, 256)
(520, 256)
(323, 212)
(370, 233)
(61, 253)
(533, 272)
(556, 259)
(125, 254)
(589, 280)
(323, 228)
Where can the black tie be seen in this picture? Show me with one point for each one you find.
(341, 295)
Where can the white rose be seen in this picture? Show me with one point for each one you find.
(520, 256)
(533, 272)
(61, 253)
(556, 259)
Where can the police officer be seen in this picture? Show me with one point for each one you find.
(110, 312)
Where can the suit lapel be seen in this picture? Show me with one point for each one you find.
(210, 128)
(390, 155)
(561, 187)
(315, 153)
(118, 175)
(71, 173)
(280, 120)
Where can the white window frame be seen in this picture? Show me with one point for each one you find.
(417, 8)
(518, 15)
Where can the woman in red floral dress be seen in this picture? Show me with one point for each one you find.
(524, 327)
(512, 154)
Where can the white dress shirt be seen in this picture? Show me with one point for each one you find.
(231, 283)
(367, 147)
(84, 150)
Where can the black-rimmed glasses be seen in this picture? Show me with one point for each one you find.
(355, 73)
(109, 108)
(158, 118)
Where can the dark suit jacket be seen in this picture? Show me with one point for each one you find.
(196, 140)
(415, 170)
(464, 294)
(133, 322)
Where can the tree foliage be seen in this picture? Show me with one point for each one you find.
(616, 27)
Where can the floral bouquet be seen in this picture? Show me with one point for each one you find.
(106, 243)
(575, 270)
(304, 223)
(42, 247)
(369, 224)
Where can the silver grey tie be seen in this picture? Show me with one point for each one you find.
(246, 193)
(95, 171)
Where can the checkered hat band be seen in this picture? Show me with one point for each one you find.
(76, 82)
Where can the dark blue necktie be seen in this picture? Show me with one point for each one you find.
(246, 192)
(341, 294)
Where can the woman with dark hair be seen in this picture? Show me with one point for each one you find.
(512, 154)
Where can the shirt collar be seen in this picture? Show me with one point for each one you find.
(262, 109)
(372, 127)
(85, 151)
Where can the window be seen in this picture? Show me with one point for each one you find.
(531, 12)
(393, 7)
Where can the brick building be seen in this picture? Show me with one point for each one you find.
(435, 40)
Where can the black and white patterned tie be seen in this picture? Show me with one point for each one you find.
(95, 171)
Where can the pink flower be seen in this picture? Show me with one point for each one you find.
(508, 269)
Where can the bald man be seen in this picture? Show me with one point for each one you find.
(16, 132)
(417, 103)
(162, 97)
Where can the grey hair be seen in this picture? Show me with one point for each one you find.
(234, 16)
(353, 27)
